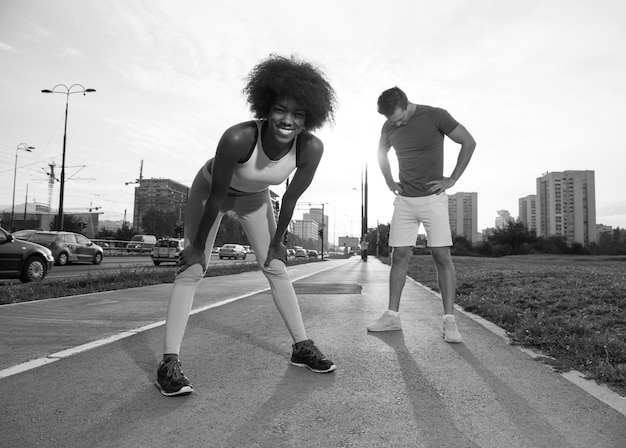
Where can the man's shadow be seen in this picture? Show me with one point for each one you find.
(435, 425)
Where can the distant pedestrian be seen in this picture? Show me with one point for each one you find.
(416, 133)
(290, 98)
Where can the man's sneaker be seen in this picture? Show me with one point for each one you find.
(306, 354)
(450, 332)
(386, 322)
(171, 379)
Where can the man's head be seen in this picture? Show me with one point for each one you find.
(393, 104)
(390, 100)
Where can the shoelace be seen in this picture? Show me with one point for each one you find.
(313, 350)
(174, 369)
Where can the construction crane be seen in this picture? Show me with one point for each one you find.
(136, 181)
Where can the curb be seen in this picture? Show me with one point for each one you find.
(596, 390)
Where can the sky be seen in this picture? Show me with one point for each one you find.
(539, 84)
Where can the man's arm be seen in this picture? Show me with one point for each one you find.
(461, 136)
(385, 166)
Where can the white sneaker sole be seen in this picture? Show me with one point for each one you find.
(301, 364)
(185, 390)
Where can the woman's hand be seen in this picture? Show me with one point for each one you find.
(189, 256)
(276, 252)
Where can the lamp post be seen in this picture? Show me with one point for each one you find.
(23, 147)
(67, 91)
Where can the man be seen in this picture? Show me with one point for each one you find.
(417, 133)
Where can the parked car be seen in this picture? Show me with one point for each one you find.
(141, 243)
(301, 253)
(291, 253)
(167, 250)
(24, 235)
(215, 250)
(69, 247)
(313, 254)
(232, 251)
(26, 261)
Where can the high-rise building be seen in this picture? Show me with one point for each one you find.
(306, 229)
(164, 195)
(528, 211)
(567, 206)
(503, 218)
(463, 211)
(317, 215)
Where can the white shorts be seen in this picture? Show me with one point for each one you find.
(430, 211)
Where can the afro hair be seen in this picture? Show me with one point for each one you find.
(278, 76)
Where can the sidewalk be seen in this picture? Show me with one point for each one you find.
(398, 389)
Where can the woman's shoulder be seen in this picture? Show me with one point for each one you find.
(309, 141)
(244, 131)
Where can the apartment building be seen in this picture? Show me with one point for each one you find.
(162, 194)
(463, 211)
(528, 211)
(566, 203)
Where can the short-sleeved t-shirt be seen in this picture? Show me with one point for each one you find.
(419, 147)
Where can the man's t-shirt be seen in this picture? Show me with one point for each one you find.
(419, 147)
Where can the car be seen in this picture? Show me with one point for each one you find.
(313, 254)
(215, 250)
(301, 253)
(23, 260)
(232, 251)
(69, 247)
(167, 250)
(24, 235)
(291, 253)
(141, 243)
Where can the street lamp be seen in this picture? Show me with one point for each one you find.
(23, 147)
(67, 92)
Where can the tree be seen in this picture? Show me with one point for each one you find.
(159, 223)
(513, 235)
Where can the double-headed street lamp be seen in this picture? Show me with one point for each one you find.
(23, 147)
(67, 92)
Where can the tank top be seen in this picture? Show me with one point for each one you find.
(259, 171)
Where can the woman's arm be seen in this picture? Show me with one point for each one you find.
(309, 156)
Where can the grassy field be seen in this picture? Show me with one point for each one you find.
(572, 308)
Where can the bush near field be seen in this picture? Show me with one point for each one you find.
(571, 308)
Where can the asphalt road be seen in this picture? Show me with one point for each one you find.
(79, 372)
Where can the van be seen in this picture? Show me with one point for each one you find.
(141, 243)
(167, 250)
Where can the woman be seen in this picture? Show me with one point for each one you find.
(289, 98)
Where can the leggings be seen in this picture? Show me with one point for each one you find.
(257, 219)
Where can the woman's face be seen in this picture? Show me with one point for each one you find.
(286, 119)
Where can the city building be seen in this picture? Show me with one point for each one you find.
(317, 215)
(503, 218)
(567, 206)
(463, 211)
(528, 211)
(164, 195)
(306, 229)
(602, 229)
(34, 215)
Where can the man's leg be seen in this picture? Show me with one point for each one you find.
(397, 276)
(446, 277)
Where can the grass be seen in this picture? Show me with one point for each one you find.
(107, 281)
(571, 308)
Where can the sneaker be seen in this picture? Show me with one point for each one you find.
(450, 332)
(386, 322)
(171, 380)
(306, 354)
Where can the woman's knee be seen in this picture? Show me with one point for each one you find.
(276, 269)
(190, 276)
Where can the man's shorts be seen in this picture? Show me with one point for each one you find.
(409, 213)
